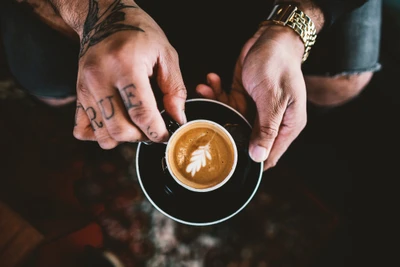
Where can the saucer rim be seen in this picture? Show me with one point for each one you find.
(203, 223)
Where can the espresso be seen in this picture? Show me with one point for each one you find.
(201, 155)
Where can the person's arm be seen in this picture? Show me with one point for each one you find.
(122, 47)
(268, 71)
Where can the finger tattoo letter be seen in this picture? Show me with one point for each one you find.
(151, 134)
(78, 107)
(103, 109)
(129, 98)
(92, 116)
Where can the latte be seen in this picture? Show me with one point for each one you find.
(201, 155)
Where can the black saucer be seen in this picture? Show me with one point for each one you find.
(195, 208)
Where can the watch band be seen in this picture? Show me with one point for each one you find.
(290, 15)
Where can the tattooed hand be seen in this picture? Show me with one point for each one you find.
(121, 48)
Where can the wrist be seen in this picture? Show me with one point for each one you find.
(288, 15)
(80, 14)
(310, 9)
(284, 37)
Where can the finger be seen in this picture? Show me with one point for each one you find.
(171, 84)
(115, 117)
(266, 126)
(215, 82)
(141, 106)
(95, 118)
(293, 123)
(82, 128)
(206, 91)
(213, 88)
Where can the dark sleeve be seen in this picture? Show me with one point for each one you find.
(333, 9)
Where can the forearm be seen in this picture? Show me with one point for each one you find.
(73, 12)
(84, 15)
(95, 20)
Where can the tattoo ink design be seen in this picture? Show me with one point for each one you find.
(152, 134)
(128, 97)
(92, 117)
(97, 26)
(78, 106)
(103, 110)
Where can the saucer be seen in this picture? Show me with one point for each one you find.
(201, 208)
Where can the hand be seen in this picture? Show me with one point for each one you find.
(269, 71)
(122, 47)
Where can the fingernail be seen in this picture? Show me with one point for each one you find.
(183, 117)
(258, 154)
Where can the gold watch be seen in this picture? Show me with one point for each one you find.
(290, 15)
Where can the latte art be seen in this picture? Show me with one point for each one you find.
(201, 155)
(199, 159)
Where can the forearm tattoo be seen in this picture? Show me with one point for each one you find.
(97, 26)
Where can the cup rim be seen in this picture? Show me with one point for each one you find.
(235, 156)
(184, 221)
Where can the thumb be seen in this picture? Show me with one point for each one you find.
(265, 131)
(171, 84)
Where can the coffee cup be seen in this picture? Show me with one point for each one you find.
(201, 155)
(184, 198)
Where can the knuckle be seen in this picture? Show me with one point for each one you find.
(120, 134)
(91, 71)
(107, 143)
(79, 134)
(83, 91)
(117, 134)
(303, 123)
(268, 132)
(179, 92)
(158, 138)
(172, 54)
(298, 126)
(140, 115)
(271, 164)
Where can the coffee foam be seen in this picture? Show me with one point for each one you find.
(201, 156)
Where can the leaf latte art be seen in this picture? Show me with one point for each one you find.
(198, 159)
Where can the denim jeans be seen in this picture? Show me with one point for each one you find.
(351, 45)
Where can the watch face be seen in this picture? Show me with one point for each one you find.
(282, 13)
